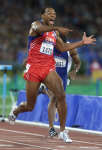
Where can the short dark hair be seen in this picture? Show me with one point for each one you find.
(43, 10)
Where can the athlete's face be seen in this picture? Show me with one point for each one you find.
(49, 16)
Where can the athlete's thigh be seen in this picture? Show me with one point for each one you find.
(54, 82)
(32, 91)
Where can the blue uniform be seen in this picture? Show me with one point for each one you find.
(62, 61)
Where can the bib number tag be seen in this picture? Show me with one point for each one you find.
(60, 62)
(46, 48)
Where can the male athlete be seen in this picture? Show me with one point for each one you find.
(41, 65)
(63, 65)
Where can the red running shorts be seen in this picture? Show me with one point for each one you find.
(37, 73)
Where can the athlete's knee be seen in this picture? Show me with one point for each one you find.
(60, 96)
(52, 101)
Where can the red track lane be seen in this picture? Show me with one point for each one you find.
(30, 137)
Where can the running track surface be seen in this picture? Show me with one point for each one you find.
(31, 137)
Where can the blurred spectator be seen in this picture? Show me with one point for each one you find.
(95, 66)
(21, 56)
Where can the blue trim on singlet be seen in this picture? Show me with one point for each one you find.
(31, 38)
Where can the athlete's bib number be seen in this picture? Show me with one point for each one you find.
(46, 48)
(60, 62)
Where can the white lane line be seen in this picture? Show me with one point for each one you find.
(34, 134)
(21, 132)
(85, 147)
(56, 126)
(6, 145)
(23, 148)
(84, 142)
(30, 145)
(39, 124)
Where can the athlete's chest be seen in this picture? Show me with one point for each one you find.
(48, 43)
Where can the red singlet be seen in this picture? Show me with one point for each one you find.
(40, 56)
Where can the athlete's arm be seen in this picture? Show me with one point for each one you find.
(25, 62)
(38, 28)
(75, 59)
(70, 46)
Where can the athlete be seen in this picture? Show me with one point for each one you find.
(40, 66)
(63, 66)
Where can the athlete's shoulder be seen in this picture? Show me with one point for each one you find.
(34, 28)
(35, 23)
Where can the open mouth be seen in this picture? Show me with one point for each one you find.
(51, 22)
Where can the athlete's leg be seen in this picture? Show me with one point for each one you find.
(31, 93)
(51, 108)
(54, 83)
(51, 113)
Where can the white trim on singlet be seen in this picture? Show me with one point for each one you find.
(69, 60)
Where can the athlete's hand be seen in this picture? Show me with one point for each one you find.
(88, 40)
(77, 67)
(72, 74)
(63, 31)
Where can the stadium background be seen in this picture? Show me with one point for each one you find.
(80, 15)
